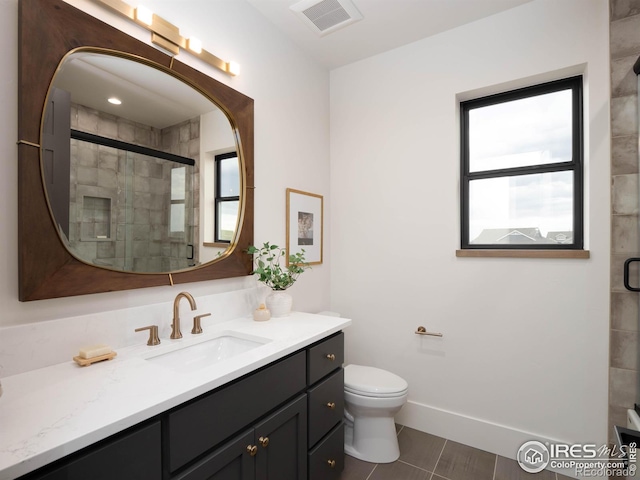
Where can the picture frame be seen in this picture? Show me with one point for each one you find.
(305, 225)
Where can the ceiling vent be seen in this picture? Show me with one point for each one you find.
(326, 16)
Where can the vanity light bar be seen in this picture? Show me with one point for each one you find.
(167, 35)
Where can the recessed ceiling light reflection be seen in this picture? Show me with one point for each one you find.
(114, 101)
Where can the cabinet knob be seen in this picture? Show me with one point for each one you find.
(331, 463)
(252, 450)
(264, 441)
(331, 357)
(331, 405)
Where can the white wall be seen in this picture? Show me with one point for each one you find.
(524, 352)
(291, 150)
(217, 139)
(525, 347)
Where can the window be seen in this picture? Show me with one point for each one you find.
(521, 164)
(227, 196)
(178, 198)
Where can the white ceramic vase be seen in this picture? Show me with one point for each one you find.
(279, 303)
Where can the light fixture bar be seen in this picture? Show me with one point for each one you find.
(167, 36)
(164, 43)
(168, 31)
(121, 7)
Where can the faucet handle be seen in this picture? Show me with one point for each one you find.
(153, 334)
(197, 328)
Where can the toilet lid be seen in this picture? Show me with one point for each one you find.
(373, 382)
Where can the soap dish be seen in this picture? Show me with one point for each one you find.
(83, 362)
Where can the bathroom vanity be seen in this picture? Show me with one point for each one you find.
(272, 412)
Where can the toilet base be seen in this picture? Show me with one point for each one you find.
(372, 439)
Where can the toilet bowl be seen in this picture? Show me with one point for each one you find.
(372, 398)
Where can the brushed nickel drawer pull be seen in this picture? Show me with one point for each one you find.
(264, 441)
(331, 405)
(252, 450)
(331, 357)
(331, 463)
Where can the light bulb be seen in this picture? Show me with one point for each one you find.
(233, 68)
(194, 45)
(144, 15)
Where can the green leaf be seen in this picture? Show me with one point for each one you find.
(268, 268)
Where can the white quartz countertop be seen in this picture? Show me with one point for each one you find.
(51, 412)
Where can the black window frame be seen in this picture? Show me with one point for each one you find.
(219, 198)
(576, 165)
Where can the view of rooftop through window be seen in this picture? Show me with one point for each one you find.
(521, 206)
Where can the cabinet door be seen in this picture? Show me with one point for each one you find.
(232, 461)
(282, 443)
(201, 425)
(134, 455)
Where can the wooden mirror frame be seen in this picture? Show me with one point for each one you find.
(48, 30)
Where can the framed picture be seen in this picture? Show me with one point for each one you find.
(304, 225)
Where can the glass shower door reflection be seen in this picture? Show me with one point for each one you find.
(159, 222)
(632, 283)
(130, 211)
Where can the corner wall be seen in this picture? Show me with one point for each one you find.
(525, 348)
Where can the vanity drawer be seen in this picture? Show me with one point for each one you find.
(203, 424)
(325, 357)
(326, 461)
(326, 406)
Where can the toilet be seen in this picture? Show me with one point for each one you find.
(372, 399)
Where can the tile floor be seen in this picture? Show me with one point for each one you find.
(427, 457)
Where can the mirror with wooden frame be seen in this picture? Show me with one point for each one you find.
(111, 200)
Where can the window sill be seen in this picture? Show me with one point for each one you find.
(524, 253)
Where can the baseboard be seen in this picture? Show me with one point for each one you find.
(490, 437)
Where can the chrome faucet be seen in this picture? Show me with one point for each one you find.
(175, 326)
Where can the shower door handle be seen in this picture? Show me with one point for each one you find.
(628, 262)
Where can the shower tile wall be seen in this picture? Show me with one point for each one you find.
(130, 235)
(623, 358)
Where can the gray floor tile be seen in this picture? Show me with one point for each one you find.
(563, 477)
(507, 469)
(398, 471)
(355, 469)
(420, 449)
(422, 453)
(461, 462)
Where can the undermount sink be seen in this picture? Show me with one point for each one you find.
(209, 352)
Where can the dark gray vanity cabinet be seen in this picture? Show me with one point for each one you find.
(325, 394)
(326, 459)
(229, 462)
(281, 422)
(198, 426)
(326, 405)
(274, 449)
(133, 454)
